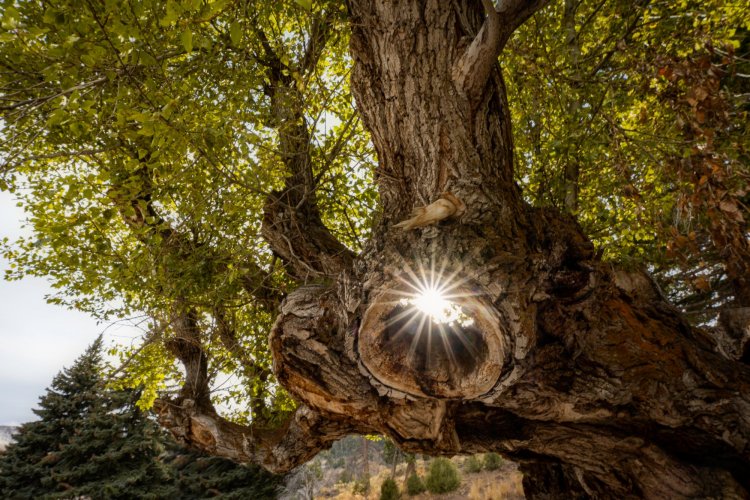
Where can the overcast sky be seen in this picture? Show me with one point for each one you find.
(37, 339)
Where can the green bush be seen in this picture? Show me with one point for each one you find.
(362, 485)
(414, 485)
(389, 490)
(345, 477)
(442, 476)
(473, 464)
(492, 461)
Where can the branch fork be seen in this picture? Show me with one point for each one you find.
(472, 69)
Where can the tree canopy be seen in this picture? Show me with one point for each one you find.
(160, 144)
(194, 162)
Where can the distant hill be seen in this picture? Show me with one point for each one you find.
(6, 435)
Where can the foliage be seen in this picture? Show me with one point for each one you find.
(415, 485)
(389, 490)
(146, 188)
(144, 142)
(361, 485)
(442, 476)
(473, 464)
(114, 453)
(27, 463)
(629, 115)
(93, 442)
(492, 461)
(196, 475)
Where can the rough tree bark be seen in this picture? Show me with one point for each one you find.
(577, 369)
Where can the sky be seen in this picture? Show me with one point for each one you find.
(37, 339)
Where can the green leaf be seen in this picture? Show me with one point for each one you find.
(187, 40)
(235, 33)
(305, 4)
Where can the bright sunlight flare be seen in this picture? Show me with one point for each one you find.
(432, 302)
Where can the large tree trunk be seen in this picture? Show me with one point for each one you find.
(577, 369)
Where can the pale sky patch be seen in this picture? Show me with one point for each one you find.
(37, 339)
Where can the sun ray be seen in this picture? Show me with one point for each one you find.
(446, 345)
(415, 340)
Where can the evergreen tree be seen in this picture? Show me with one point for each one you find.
(442, 476)
(25, 468)
(96, 443)
(197, 476)
(114, 455)
(389, 490)
(415, 485)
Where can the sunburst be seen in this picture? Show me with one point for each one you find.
(431, 312)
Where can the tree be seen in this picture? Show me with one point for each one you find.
(114, 453)
(200, 162)
(442, 476)
(389, 490)
(93, 442)
(27, 464)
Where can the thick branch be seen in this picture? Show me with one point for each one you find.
(304, 434)
(292, 224)
(472, 70)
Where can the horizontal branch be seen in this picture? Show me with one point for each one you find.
(302, 436)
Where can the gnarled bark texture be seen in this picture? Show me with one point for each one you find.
(579, 370)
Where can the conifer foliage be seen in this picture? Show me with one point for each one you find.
(26, 468)
(96, 443)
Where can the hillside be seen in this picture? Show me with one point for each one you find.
(342, 473)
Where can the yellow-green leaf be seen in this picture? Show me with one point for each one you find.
(235, 33)
(187, 40)
(305, 4)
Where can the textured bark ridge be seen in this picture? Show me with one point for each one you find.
(577, 369)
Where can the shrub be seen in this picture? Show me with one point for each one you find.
(473, 464)
(362, 485)
(414, 485)
(492, 461)
(345, 477)
(442, 476)
(389, 490)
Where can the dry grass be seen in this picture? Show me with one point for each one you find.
(502, 484)
(493, 486)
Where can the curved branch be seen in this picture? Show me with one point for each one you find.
(472, 70)
(303, 435)
(308, 316)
